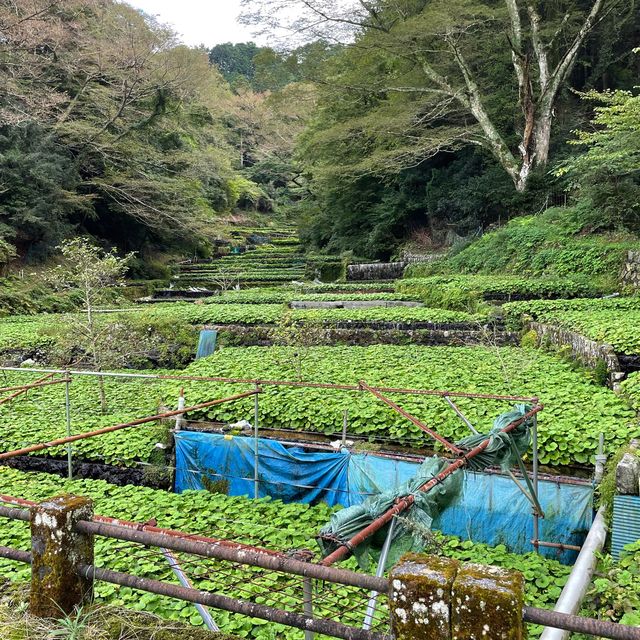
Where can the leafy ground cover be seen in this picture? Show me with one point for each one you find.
(468, 291)
(560, 242)
(263, 522)
(615, 592)
(576, 409)
(171, 322)
(614, 321)
(400, 315)
(341, 287)
(630, 388)
(39, 416)
(18, 332)
(285, 296)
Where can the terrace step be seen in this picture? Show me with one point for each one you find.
(352, 304)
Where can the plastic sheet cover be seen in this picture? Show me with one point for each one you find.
(489, 507)
(287, 473)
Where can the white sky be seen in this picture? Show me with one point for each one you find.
(207, 22)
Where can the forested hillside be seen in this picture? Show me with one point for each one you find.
(441, 118)
(372, 125)
(110, 127)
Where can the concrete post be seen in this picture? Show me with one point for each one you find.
(420, 601)
(435, 598)
(487, 604)
(57, 553)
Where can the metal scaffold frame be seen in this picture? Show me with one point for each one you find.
(381, 393)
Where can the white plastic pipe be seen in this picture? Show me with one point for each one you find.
(580, 577)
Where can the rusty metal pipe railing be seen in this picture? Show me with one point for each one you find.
(38, 383)
(404, 503)
(533, 615)
(15, 555)
(212, 548)
(244, 607)
(134, 423)
(14, 514)
(255, 558)
(405, 414)
(23, 514)
(287, 383)
(42, 382)
(578, 624)
(556, 545)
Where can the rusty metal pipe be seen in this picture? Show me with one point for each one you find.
(134, 423)
(137, 526)
(554, 619)
(555, 545)
(248, 556)
(404, 503)
(578, 624)
(38, 383)
(243, 607)
(14, 554)
(14, 514)
(405, 414)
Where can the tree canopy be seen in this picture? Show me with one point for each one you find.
(472, 92)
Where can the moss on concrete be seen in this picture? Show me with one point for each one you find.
(487, 604)
(420, 600)
(58, 550)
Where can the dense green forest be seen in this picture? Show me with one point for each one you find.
(375, 125)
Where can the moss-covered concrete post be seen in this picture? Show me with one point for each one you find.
(433, 598)
(58, 551)
(487, 604)
(420, 602)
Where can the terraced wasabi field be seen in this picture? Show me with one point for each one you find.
(576, 408)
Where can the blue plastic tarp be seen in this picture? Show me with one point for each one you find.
(489, 509)
(287, 473)
(206, 343)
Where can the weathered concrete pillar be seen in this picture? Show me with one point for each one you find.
(57, 553)
(487, 604)
(420, 602)
(435, 598)
(628, 475)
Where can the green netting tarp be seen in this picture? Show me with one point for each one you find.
(413, 526)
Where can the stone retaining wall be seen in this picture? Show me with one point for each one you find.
(243, 335)
(587, 351)
(630, 275)
(375, 271)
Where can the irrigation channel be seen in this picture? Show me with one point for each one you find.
(232, 552)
